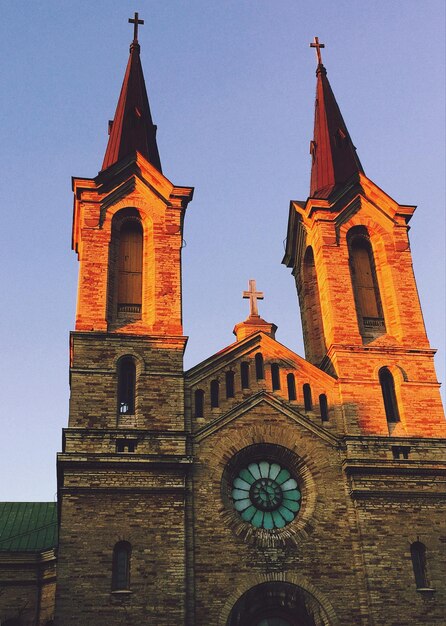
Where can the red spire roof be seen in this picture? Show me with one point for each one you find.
(334, 155)
(132, 128)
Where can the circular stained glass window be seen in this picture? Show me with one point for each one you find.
(266, 495)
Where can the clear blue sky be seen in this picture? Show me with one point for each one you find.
(231, 86)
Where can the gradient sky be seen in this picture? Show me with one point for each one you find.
(231, 86)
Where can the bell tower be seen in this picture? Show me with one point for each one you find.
(122, 471)
(349, 251)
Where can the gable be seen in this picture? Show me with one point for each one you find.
(258, 366)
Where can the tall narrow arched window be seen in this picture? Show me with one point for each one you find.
(308, 401)
(291, 384)
(323, 406)
(311, 312)
(365, 282)
(418, 555)
(130, 267)
(121, 566)
(215, 392)
(275, 376)
(229, 379)
(389, 396)
(199, 403)
(126, 386)
(260, 372)
(244, 374)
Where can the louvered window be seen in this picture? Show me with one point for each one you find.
(130, 267)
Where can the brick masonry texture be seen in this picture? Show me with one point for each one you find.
(370, 487)
(363, 502)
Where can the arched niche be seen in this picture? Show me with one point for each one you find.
(311, 310)
(365, 286)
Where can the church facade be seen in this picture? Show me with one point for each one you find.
(258, 488)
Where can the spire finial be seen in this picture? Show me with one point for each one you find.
(318, 47)
(253, 296)
(135, 21)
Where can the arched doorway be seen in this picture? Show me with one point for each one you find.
(277, 604)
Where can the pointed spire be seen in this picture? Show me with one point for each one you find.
(132, 128)
(333, 153)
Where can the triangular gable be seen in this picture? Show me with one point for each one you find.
(258, 342)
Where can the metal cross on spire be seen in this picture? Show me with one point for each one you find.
(253, 296)
(318, 47)
(135, 21)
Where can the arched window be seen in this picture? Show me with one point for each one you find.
(275, 376)
(130, 267)
(313, 327)
(244, 374)
(291, 384)
(121, 566)
(199, 403)
(418, 555)
(215, 388)
(323, 406)
(308, 401)
(260, 373)
(229, 384)
(126, 386)
(389, 396)
(365, 282)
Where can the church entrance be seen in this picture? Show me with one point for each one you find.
(277, 604)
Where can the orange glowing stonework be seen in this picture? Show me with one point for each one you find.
(258, 486)
(339, 338)
(134, 190)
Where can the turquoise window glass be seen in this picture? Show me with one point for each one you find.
(265, 495)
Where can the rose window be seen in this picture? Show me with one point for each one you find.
(266, 495)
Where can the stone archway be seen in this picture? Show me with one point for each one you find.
(277, 603)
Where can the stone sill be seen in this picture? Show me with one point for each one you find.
(426, 590)
(122, 592)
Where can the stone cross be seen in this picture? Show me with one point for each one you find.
(253, 296)
(318, 47)
(135, 21)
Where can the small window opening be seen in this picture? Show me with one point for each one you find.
(308, 401)
(199, 403)
(260, 372)
(340, 138)
(418, 555)
(126, 386)
(291, 384)
(323, 406)
(126, 445)
(389, 396)
(230, 384)
(275, 376)
(244, 374)
(121, 566)
(400, 451)
(313, 150)
(215, 388)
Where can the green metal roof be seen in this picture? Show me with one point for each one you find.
(28, 526)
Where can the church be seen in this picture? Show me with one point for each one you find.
(258, 488)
